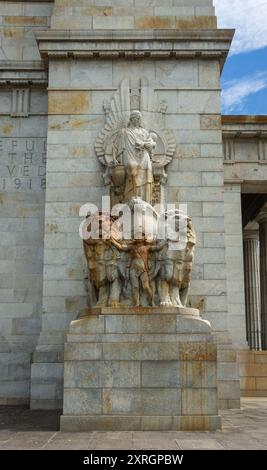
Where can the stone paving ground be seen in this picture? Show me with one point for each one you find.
(21, 428)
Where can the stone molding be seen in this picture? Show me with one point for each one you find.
(12, 74)
(251, 235)
(245, 134)
(262, 217)
(31, 83)
(19, 65)
(63, 44)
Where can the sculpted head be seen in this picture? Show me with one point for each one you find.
(135, 118)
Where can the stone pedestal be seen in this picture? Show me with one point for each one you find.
(140, 369)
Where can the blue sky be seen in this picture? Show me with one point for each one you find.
(244, 79)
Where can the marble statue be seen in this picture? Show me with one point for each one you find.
(133, 149)
(134, 153)
(105, 270)
(139, 251)
(138, 272)
(174, 267)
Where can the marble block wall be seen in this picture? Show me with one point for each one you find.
(23, 132)
(77, 87)
(133, 14)
(189, 83)
(116, 366)
(18, 23)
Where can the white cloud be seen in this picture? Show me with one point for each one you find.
(249, 18)
(236, 92)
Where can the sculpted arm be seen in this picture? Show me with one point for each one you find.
(119, 246)
(157, 247)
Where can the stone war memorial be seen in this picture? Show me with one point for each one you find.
(133, 217)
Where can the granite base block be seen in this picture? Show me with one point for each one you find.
(139, 423)
(120, 368)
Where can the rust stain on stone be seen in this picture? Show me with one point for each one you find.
(210, 122)
(71, 304)
(97, 11)
(154, 22)
(13, 32)
(23, 20)
(197, 22)
(211, 352)
(197, 352)
(194, 423)
(28, 212)
(7, 129)
(80, 151)
(75, 209)
(51, 228)
(72, 273)
(106, 402)
(248, 383)
(74, 123)
(244, 119)
(68, 102)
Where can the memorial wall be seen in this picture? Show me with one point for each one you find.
(63, 65)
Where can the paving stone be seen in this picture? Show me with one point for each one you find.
(235, 433)
(199, 444)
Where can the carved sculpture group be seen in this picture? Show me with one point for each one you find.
(148, 270)
(140, 272)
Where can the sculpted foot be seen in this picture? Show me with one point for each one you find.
(114, 304)
(166, 303)
(101, 304)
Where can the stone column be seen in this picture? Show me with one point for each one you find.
(252, 288)
(235, 265)
(262, 220)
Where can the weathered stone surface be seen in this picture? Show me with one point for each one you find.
(143, 14)
(82, 351)
(252, 365)
(141, 401)
(88, 325)
(137, 423)
(196, 399)
(160, 374)
(69, 102)
(101, 374)
(197, 352)
(131, 376)
(77, 87)
(82, 401)
(198, 374)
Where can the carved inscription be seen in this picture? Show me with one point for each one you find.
(22, 164)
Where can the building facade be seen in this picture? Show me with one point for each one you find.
(60, 62)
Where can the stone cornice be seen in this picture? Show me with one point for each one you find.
(16, 83)
(136, 35)
(244, 127)
(245, 134)
(26, 74)
(21, 65)
(244, 119)
(103, 44)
